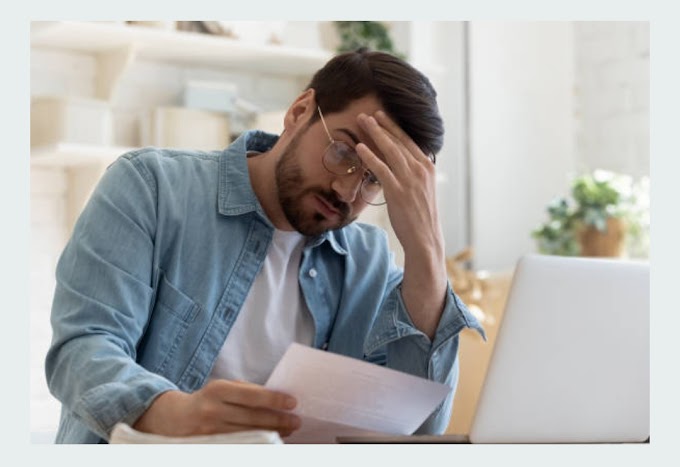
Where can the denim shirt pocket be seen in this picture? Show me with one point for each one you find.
(172, 314)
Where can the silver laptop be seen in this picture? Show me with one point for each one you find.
(571, 359)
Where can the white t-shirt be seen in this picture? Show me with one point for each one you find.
(273, 316)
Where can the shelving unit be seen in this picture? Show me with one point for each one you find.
(116, 46)
(179, 47)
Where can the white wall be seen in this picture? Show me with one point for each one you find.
(521, 132)
(612, 96)
(547, 101)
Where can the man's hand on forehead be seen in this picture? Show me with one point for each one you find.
(407, 176)
(400, 154)
(408, 179)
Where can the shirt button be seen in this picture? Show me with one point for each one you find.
(312, 273)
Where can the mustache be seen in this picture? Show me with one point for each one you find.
(332, 199)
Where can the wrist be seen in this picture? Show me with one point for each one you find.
(429, 262)
(160, 417)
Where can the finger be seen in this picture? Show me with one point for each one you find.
(391, 148)
(250, 395)
(376, 165)
(234, 428)
(390, 125)
(256, 418)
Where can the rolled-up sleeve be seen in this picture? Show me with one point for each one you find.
(410, 350)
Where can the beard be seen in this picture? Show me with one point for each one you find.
(292, 192)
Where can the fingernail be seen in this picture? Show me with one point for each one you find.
(290, 402)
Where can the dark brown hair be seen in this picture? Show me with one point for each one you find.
(404, 92)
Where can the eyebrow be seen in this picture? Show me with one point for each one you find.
(356, 139)
(349, 133)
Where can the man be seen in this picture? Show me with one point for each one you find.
(188, 274)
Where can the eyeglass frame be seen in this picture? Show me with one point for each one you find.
(364, 178)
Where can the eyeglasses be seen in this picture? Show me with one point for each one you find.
(340, 159)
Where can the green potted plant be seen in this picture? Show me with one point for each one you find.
(371, 34)
(345, 36)
(605, 213)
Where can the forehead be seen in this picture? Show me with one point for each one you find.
(346, 120)
(368, 105)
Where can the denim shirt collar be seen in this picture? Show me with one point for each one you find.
(236, 195)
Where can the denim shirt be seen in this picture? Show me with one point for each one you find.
(159, 264)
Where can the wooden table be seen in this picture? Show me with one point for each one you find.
(474, 354)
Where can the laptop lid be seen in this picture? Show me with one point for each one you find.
(571, 360)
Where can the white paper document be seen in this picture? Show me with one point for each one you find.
(124, 434)
(342, 396)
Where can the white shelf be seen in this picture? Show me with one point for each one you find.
(75, 155)
(180, 47)
(116, 46)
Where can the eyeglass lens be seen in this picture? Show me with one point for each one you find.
(341, 159)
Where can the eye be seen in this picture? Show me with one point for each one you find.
(370, 178)
(346, 157)
(344, 151)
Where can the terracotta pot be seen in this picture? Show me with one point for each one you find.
(607, 243)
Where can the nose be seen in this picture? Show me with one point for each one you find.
(347, 186)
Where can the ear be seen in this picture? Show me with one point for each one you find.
(300, 111)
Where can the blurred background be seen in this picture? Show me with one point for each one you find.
(546, 147)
